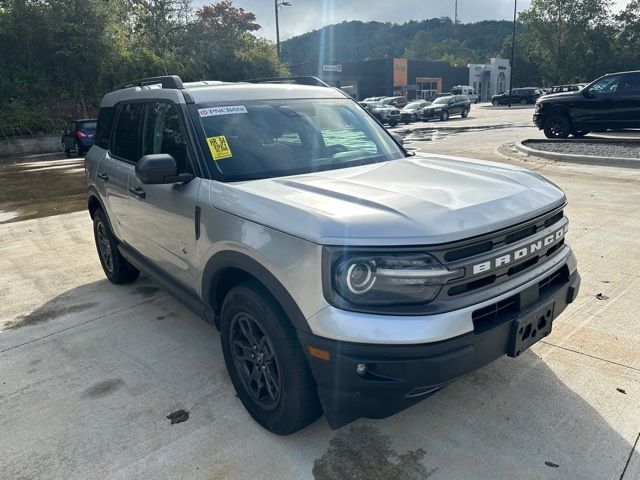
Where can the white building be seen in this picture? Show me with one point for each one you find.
(490, 78)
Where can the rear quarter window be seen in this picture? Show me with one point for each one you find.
(104, 127)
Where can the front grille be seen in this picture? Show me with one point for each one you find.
(506, 310)
(475, 253)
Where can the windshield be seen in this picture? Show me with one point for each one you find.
(272, 138)
(441, 100)
(90, 126)
(414, 105)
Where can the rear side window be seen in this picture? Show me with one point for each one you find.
(631, 83)
(126, 133)
(104, 127)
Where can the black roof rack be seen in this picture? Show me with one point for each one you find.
(167, 81)
(298, 80)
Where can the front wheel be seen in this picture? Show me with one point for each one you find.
(465, 113)
(393, 124)
(444, 116)
(495, 103)
(265, 361)
(557, 126)
(117, 269)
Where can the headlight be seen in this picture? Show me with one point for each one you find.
(438, 109)
(389, 278)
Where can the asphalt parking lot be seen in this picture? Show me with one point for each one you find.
(89, 370)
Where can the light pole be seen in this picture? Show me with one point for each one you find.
(513, 43)
(277, 5)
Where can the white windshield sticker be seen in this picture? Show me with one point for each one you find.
(210, 112)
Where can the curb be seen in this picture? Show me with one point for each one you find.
(573, 158)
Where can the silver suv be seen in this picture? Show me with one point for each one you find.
(346, 275)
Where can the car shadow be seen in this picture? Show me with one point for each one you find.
(142, 355)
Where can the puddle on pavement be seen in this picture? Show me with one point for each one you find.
(365, 452)
(434, 134)
(34, 189)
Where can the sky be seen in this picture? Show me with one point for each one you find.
(306, 15)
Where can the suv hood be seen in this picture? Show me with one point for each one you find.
(553, 96)
(419, 200)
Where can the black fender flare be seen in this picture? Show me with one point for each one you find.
(220, 261)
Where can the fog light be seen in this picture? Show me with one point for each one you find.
(361, 369)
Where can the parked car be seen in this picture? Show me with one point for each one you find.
(467, 91)
(444, 107)
(385, 113)
(610, 102)
(522, 96)
(412, 110)
(345, 274)
(78, 136)
(398, 102)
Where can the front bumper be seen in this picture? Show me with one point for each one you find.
(398, 376)
(429, 114)
(538, 120)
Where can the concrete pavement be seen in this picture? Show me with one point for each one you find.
(90, 370)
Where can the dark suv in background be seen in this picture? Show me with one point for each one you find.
(78, 136)
(444, 107)
(522, 96)
(610, 102)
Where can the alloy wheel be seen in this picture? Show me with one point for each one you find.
(255, 361)
(104, 246)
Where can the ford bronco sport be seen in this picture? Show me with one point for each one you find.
(346, 275)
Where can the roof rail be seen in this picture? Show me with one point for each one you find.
(167, 81)
(298, 80)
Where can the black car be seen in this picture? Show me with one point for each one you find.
(411, 111)
(610, 102)
(522, 96)
(78, 136)
(444, 107)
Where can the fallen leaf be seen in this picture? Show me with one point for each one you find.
(178, 416)
(621, 390)
(602, 296)
(551, 464)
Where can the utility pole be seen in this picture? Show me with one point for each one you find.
(455, 17)
(513, 43)
(277, 5)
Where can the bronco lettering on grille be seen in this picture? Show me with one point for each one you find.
(521, 253)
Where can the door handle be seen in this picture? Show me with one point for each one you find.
(103, 176)
(138, 192)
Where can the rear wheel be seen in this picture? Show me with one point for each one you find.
(116, 268)
(265, 361)
(444, 116)
(67, 152)
(557, 126)
(393, 124)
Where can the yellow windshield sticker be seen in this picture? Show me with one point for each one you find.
(219, 147)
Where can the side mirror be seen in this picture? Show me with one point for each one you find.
(398, 138)
(160, 168)
(587, 92)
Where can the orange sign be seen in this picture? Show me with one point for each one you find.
(400, 72)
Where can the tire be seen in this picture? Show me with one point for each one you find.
(78, 148)
(392, 124)
(115, 267)
(495, 103)
(557, 126)
(580, 133)
(67, 152)
(465, 113)
(444, 116)
(257, 337)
